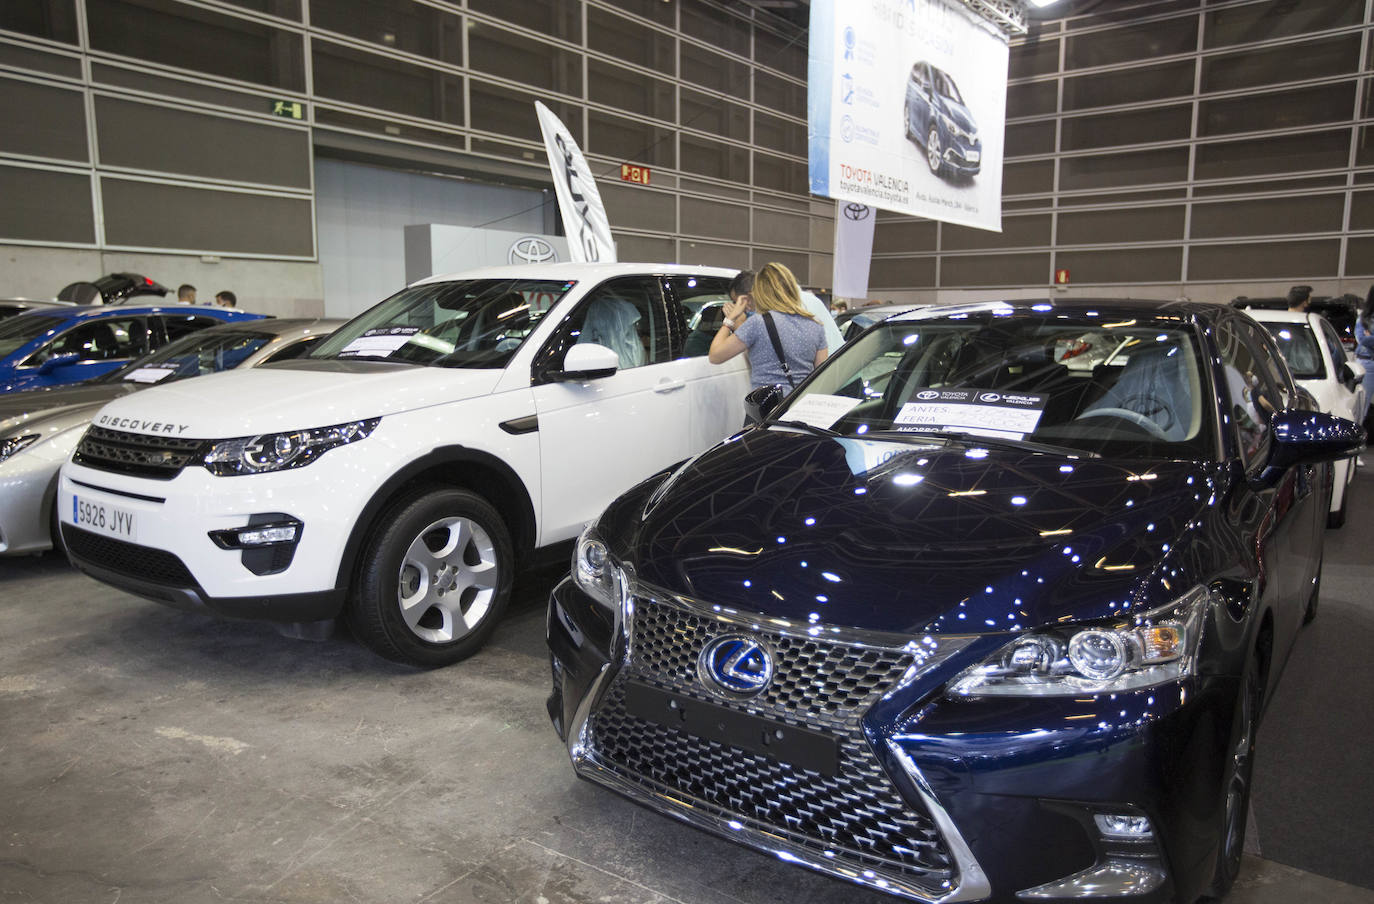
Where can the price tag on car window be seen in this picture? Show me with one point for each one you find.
(978, 411)
(151, 373)
(379, 343)
(820, 410)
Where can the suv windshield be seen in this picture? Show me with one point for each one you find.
(21, 330)
(1132, 388)
(202, 352)
(1299, 349)
(465, 323)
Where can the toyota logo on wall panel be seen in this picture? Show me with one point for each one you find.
(531, 249)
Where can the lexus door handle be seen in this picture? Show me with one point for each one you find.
(668, 385)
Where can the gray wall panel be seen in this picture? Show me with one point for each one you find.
(42, 120)
(148, 215)
(45, 206)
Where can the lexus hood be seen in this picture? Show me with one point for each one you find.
(295, 396)
(907, 537)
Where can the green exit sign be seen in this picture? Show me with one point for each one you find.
(289, 108)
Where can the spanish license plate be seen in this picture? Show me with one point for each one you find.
(103, 519)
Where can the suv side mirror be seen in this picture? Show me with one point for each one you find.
(1308, 437)
(57, 361)
(1351, 373)
(588, 361)
(761, 402)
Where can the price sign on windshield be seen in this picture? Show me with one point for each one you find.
(982, 412)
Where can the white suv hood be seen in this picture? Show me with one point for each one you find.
(271, 399)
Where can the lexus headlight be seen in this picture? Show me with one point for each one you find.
(1159, 646)
(597, 573)
(282, 451)
(12, 444)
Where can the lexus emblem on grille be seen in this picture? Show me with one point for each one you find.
(736, 665)
(532, 250)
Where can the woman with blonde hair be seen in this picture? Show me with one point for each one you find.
(783, 341)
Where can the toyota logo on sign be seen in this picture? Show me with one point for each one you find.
(925, 395)
(532, 250)
(857, 211)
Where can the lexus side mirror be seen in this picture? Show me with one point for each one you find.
(761, 402)
(588, 361)
(1308, 437)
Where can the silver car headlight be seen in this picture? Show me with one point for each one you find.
(597, 573)
(1159, 646)
(12, 444)
(269, 452)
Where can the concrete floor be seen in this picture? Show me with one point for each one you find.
(151, 756)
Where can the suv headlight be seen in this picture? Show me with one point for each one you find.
(12, 444)
(1159, 646)
(597, 572)
(282, 451)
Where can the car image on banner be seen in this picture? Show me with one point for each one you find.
(937, 119)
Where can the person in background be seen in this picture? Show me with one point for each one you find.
(226, 299)
(186, 294)
(777, 300)
(839, 307)
(1364, 352)
(1299, 297)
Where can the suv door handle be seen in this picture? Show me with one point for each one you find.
(668, 385)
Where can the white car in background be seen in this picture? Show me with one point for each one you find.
(402, 472)
(1322, 366)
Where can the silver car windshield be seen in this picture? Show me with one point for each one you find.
(473, 323)
(1130, 388)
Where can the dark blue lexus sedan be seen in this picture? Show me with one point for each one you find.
(971, 614)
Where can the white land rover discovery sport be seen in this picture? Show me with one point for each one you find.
(398, 474)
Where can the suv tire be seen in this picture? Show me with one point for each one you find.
(434, 579)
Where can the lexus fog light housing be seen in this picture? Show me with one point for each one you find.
(1127, 826)
(12, 444)
(282, 451)
(596, 572)
(1159, 646)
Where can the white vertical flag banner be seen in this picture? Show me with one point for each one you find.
(853, 248)
(907, 105)
(584, 216)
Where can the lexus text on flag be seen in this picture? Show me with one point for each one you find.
(584, 216)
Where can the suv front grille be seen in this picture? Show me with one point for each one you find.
(855, 816)
(128, 559)
(140, 454)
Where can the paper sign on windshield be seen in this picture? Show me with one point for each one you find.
(982, 412)
(151, 373)
(820, 410)
(379, 343)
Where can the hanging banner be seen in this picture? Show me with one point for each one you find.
(853, 248)
(584, 216)
(907, 106)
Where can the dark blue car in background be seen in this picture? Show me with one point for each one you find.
(958, 621)
(60, 345)
(937, 119)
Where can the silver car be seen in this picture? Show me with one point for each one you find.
(39, 428)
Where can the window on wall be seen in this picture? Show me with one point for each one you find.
(711, 25)
(398, 24)
(706, 113)
(508, 55)
(1278, 19)
(1032, 99)
(396, 86)
(1277, 110)
(1139, 85)
(779, 94)
(1039, 57)
(777, 174)
(785, 54)
(1281, 155)
(655, 10)
(509, 112)
(714, 158)
(1138, 41)
(634, 92)
(630, 139)
(1289, 63)
(1123, 169)
(711, 70)
(51, 19)
(779, 134)
(1081, 133)
(555, 18)
(175, 34)
(629, 41)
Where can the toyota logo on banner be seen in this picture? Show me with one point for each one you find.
(531, 249)
(857, 211)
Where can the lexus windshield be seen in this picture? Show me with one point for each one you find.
(478, 323)
(1132, 387)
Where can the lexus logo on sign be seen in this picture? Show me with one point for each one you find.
(531, 249)
(857, 211)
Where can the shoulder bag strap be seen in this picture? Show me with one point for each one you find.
(777, 347)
